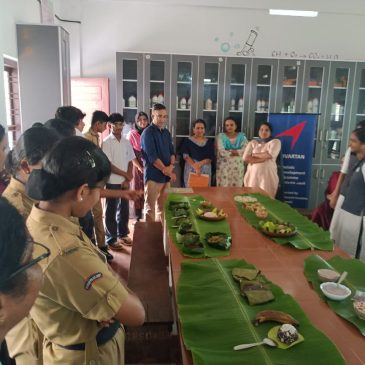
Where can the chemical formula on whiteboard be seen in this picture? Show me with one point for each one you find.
(310, 55)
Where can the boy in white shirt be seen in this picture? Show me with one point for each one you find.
(120, 154)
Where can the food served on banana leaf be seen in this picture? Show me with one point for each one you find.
(327, 275)
(213, 214)
(196, 247)
(279, 229)
(261, 213)
(244, 274)
(218, 240)
(185, 227)
(178, 204)
(188, 237)
(359, 308)
(245, 199)
(179, 220)
(275, 316)
(180, 212)
(287, 334)
(253, 206)
(206, 204)
(256, 292)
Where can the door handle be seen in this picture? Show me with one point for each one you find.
(320, 135)
(326, 138)
(322, 173)
(316, 173)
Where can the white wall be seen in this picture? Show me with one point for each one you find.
(11, 13)
(170, 27)
(160, 26)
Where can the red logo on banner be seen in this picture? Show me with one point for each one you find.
(293, 132)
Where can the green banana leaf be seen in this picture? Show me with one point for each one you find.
(354, 281)
(214, 318)
(309, 235)
(201, 226)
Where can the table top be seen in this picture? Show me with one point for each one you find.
(284, 266)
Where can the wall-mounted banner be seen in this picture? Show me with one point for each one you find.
(296, 133)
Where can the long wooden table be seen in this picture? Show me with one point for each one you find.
(284, 266)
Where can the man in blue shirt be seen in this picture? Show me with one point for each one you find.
(159, 158)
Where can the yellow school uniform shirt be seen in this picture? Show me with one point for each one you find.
(24, 341)
(15, 194)
(93, 137)
(79, 290)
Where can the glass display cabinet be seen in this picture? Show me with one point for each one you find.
(338, 111)
(183, 91)
(210, 93)
(263, 92)
(236, 96)
(129, 85)
(157, 85)
(359, 96)
(289, 86)
(315, 84)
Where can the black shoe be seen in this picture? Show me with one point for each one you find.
(109, 257)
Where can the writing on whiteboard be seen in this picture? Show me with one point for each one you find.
(310, 55)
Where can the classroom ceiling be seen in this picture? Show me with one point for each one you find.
(349, 7)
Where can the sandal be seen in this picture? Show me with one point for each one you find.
(116, 246)
(125, 241)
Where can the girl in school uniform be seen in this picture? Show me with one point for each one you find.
(24, 341)
(82, 303)
(20, 274)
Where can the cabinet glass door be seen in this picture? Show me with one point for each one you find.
(210, 99)
(263, 93)
(183, 96)
(236, 99)
(313, 101)
(129, 84)
(290, 77)
(359, 97)
(338, 111)
(157, 85)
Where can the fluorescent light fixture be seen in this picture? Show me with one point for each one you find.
(293, 12)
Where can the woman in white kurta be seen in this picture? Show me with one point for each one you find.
(260, 156)
(230, 147)
(347, 230)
